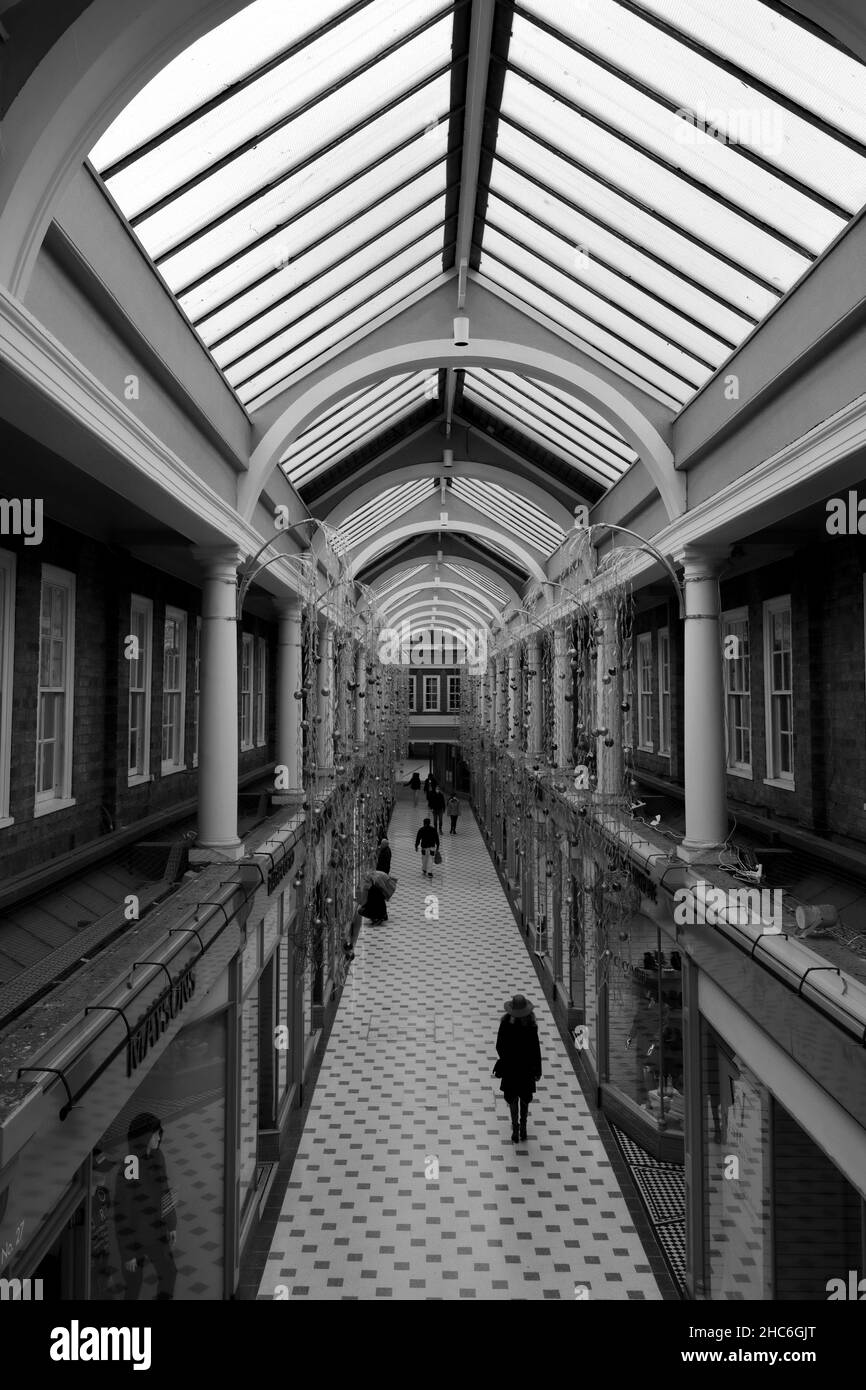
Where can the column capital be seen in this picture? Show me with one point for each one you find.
(703, 560)
(218, 561)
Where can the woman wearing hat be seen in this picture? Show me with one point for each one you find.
(383, 859)
(145, 1216)
(519, 1063)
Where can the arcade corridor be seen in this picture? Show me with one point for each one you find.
(406, 1080)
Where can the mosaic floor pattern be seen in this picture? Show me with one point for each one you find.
(406, 1184)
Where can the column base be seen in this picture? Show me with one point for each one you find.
(216, 854)
(700, 853)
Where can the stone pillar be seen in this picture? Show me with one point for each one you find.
(513, 715)
(609, 698)
(704, 753)
(494, 695)
(561, 687)
(218, 707)
(361, 679)
(535, 740)
(325, 681)
(289, 710)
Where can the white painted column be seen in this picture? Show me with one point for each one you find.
(561, 687)
(289, 710)
(513, 715)
(536, 698)
(494, 698)
(361, 679)
(218, 707)
(326, 703)
(704, 753)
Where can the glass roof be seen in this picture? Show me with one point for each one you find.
(303, 194)
(655, 176)
(383, 510)
(481, 581)
(354, 420)
(554, 420)
(511, 511)
(658, 184)
(397, 581)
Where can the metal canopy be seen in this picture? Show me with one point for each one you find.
(647, 176)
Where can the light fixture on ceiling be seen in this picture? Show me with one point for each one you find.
(461, 331)
(447, 458)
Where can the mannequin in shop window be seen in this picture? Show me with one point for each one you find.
(145, 1211)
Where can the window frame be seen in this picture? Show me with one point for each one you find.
(8, 566)
(57, 800)
(664, 679)
(644, 644)
(246, 673)
(431, 683)
(138, 603)
(260, 689)
(169, 766)
(732, 616)
(412, 701)
(454, 705)
(774, 778)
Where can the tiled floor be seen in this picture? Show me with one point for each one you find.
(406, 1184)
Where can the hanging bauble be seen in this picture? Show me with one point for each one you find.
(296, 881)
(605, 680)
(625, 706)
(569, 699)
(611, 670)
(299, 694)
(572, 651)
(608, 743)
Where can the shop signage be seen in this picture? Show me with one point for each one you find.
(157, 1019)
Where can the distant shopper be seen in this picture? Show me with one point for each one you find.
(454, 812)
(375, 906)
(427, 840)
(383, 858)
(144, 1211)
(437, 806)
(415, 784)
(519, 1063)
(429, 787)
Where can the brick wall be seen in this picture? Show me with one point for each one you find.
(105, 582)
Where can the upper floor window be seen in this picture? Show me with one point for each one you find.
(664, 691)
(7, 620)
(247, 690)
(260, 685)
(55, 690)
(411, 692)
(779, 690)
(738, 687)
(173, 690)
(645, 691)
(453, 694)
(431, 693)
(139, 662)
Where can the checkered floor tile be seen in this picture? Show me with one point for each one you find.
(406, 1184)
(662, 1187)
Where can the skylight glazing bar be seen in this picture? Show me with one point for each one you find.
(553, 420)
(369, 417)
(699, 186)
(641, 250)
(303, 470)
(256, 139)
(485, 584)
(272, 185)
(333, 323)
(747, 75)
(643, 207)
(646, 357)
(556, 400)
(226, 94)
(653, 94)
(515, 417)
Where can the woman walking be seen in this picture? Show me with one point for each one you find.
(454, 812)
(383, 858)
(415, 784)
(519, 1063)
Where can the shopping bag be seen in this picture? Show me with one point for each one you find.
(437, 857)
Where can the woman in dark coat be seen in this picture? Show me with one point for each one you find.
(415, 784)
(519, 1063)
(375, 905)
(383, 860)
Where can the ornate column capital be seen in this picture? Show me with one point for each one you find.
(703, 560)
(218, 561)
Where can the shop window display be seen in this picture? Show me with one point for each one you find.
(249, 1095)
(645, 1021)
(737, 1159)
(158, 1179)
